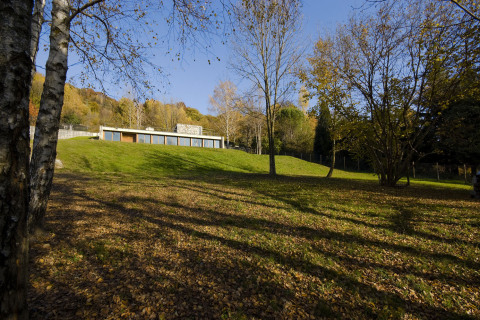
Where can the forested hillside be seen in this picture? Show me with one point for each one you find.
(91, 109)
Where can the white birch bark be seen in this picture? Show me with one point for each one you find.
(48, 120)
(37, 21)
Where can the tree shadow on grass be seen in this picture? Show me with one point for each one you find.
(301, 265)
(401, 221)
(231, 286)
(190, 259)
(403, 203)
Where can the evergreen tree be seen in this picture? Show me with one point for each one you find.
(323, 139)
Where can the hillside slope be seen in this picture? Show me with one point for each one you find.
(89, 155)
(86, 155)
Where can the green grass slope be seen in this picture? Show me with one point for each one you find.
(88, 155)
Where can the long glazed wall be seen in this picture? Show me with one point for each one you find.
(159, 137)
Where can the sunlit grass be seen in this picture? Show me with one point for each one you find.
(100, 157)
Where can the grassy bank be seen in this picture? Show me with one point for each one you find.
(88, 155)
(142, 161)
(146, 232)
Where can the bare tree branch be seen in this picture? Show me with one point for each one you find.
(465, 9)
(82, 8)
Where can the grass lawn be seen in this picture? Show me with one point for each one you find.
(159, 232)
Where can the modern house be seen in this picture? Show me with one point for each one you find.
(184, 135)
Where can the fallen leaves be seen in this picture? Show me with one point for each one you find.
(251, 248)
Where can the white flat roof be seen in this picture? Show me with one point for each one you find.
(172, 134)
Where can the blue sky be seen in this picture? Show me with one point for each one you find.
(192, 80)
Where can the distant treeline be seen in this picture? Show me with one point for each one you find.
(295, 129)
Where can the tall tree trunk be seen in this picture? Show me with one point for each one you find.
(271, 146)
(48, 120)
(270, 132)
(259, 139)
(332, 165)
(408, 174)
(37, 21)
(15, 80)
(227, 127)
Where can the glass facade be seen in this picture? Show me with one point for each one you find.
(184, 141)
(143, 138)
(196, 142)
(207, 143)
(172, 141)
(112, 136)
(158, 139)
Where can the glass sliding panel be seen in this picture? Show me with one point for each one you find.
(143, 138)
(185, 142)
(116, 136)
(217, 143)
(108, 135)
(207, 143)
(158, 139)
(196, 142)
(172, 141)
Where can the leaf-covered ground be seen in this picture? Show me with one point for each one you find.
(240, 246)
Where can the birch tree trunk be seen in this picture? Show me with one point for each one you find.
(15, 80)
(37, 21)
(48, 120)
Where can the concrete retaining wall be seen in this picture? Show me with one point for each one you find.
(67, 134)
